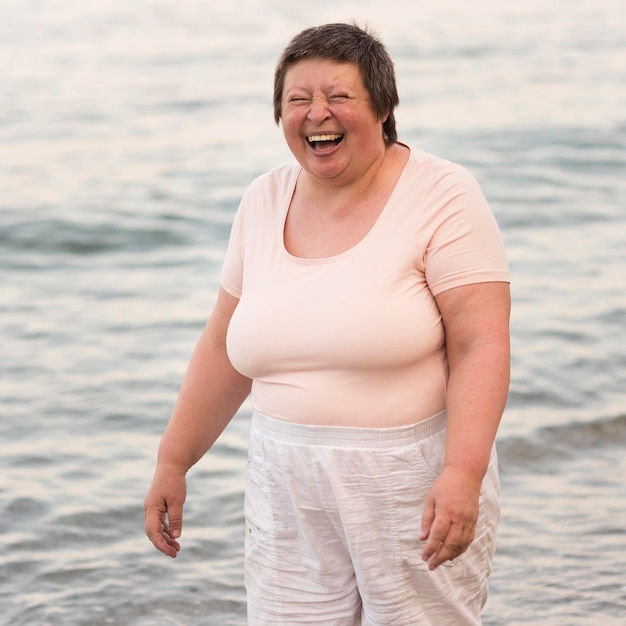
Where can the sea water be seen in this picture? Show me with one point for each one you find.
(129, 131)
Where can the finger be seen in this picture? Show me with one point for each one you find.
(448, 551)
(159, 533)
(433, 544)
(166, 533)
(455, 542)
(163, 543)
(428, 516)
(173, 547)
(175, 519)
(435, 527)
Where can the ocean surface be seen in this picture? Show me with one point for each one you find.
(129, 131)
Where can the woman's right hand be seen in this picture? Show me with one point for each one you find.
(163, 508)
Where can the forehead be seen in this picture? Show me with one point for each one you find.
(322, 73)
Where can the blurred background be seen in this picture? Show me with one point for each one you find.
(129, 131)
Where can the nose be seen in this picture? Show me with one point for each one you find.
(319, 111)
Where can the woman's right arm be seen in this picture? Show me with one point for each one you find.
(211, 392)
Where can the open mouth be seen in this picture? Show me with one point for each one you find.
(321, 142)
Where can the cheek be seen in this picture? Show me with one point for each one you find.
(292, 138)
(291, 134)
(368, 132)
(291, 124)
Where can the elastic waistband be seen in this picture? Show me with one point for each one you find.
(347, 436)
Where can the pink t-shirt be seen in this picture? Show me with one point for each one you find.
(356, 339)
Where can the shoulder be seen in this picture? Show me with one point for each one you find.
(263, 202)
(436, 171)
(275, 182)
(267, 195)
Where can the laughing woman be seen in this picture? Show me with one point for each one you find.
(364, 304)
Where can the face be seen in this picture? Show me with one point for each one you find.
(328, 121)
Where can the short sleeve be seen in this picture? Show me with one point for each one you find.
(466, 245)
(232, 267)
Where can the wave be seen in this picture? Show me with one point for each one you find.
(59, 236)
(561, 442)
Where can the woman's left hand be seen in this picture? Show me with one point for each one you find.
(476, 322)
(450, 515)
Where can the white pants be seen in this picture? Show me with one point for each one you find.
(333, 520)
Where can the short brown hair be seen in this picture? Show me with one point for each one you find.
(345, 43)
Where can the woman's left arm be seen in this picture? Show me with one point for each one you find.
(476, 323)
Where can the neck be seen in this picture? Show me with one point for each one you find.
(339, 196)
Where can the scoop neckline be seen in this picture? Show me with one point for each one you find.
(358, 244)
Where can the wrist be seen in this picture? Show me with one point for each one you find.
(472, 472)
(171, 467)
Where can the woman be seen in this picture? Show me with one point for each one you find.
(365, 305)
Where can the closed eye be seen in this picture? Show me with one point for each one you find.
(339, 98)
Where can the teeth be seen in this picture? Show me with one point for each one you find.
(314, 138)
